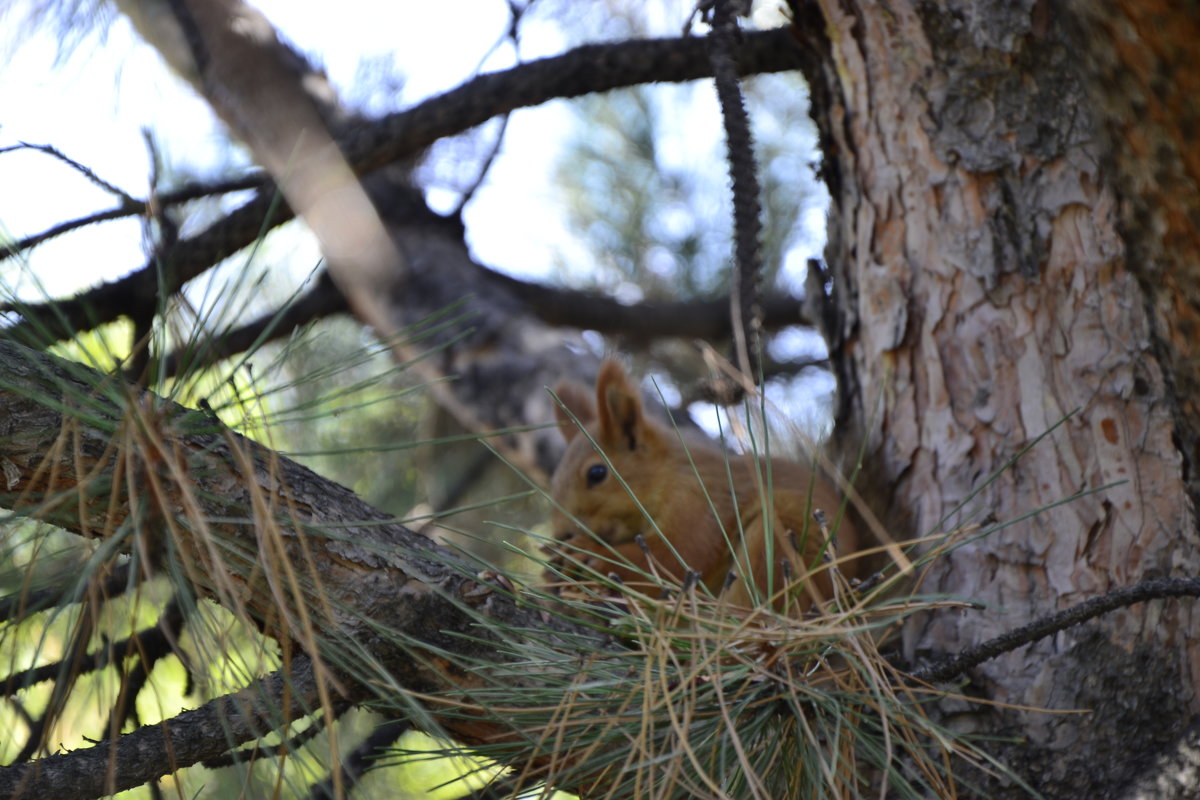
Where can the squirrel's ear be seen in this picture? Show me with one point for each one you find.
(578, 401)
(620, 407)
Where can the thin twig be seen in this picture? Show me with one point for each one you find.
(86, 172)
(484, 168)
(513, 34)
(355, 765)
(947, 668)
(136, 208)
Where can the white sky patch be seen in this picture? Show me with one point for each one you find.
(92, 107)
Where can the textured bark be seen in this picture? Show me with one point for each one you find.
(1145, 84)
(983, 240)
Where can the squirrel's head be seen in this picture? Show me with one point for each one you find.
(614, 453)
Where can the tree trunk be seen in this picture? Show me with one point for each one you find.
(1005, 260)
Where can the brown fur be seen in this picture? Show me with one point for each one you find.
(671, 487)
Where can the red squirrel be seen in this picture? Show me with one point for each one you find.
(695, 494)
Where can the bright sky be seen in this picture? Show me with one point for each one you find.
(94, 104)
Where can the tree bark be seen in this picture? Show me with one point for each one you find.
(994, 278)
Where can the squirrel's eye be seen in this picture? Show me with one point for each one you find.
(595, 474)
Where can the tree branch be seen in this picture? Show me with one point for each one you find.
(369, 146)
(355, 765)
(583, 70)
(156, 750)
(26, 603)
(950, 667)
(85, 171)
(153, 641)
(636, 322)
(690, 319)
(131, 207)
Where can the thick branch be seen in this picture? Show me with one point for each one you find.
(244, 522)
(584, 70)
(689, 319)
(693, 319)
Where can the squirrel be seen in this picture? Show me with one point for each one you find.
(710, 516)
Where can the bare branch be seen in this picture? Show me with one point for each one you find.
(692, 319)
(591, 68)
(23, 604)
(513, 34)
(636, 322)
(134, 208)
(157, 750)
(484, 168)
(154, 641)
(85, 171)
(164, 641)
(950, 667)
(583, 70)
